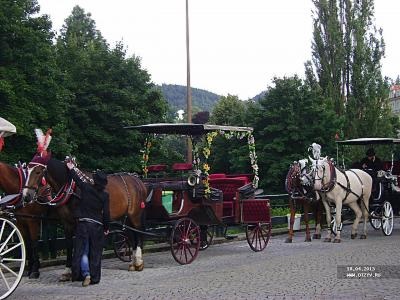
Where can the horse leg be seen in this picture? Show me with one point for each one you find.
(338, 218)
(137, 263)
(67, 274)
(328, 237)
(291, 220)
(33, 229)
(357, 211)
(317, 216)
(306, 206)
(365, 213)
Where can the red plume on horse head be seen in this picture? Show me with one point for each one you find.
(43, 142)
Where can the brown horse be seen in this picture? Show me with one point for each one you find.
(305, 196)
(127, 195)
(28, 216)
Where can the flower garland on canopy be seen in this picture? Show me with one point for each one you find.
(145, 155)
(229, 135)
(206, 151)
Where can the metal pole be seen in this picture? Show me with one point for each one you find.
(188, 88)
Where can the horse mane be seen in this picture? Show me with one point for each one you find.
(58, 171)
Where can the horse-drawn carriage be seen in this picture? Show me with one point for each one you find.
(385, 195)
(185, 206)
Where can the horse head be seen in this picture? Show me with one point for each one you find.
(35, 178)
(323, 174)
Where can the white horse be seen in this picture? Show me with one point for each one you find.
(342, 187)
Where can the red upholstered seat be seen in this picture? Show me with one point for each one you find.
(157, 168)
(229, 188)
(181, 166)
(216, 175)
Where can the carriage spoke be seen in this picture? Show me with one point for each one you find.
(8, 269)
(4, 279)
(8, 238)
(10, 249)
(2, 230)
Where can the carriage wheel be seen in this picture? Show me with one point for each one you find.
(12, 257)
(258, 235)
(122, 246)
(185, 241)
(207, 236)
(387, 218)
(376, 223)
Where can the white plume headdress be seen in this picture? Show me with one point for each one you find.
(43, 141)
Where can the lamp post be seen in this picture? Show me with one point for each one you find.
(188, 88)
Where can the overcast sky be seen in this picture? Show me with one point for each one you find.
(236, 46)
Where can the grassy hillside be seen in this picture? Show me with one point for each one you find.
(202, 100)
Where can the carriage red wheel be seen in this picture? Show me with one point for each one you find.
(185, 241)
(258, 235)
(122, 246)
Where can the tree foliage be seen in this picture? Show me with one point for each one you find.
(347, 53)
(30, 94)
(286, 122)
(80, 87)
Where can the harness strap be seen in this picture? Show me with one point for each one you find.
(127, 191)
(348, 189)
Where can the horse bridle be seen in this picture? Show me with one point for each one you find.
(332, 180)
(295, 172)
(47, 191)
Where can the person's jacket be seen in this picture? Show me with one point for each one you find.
(93, 204)
(374, 164)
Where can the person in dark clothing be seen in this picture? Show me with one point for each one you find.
(371, 161)
(93, 216)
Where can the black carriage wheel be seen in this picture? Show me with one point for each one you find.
(207, 236)
(185, 241)
(387, 218)
(376, 220)
(122, 246)
(12, 257)
(258, 235)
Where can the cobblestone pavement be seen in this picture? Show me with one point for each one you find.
(232, 271)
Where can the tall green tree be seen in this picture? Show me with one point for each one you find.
(291, 116)
(109, 91)
(30, 94)
(347, 53)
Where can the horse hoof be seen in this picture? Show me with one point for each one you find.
(288, 240)
(131, 268)
(34, 275)
(65, 277)
(363, 237)
(353, 236)
(307, 240)
(26, 274)
(327, 240)
(139, 267)
(336, 240)
(316, 236)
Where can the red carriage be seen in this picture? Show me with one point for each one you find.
(187, 201)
